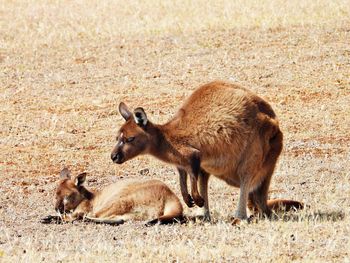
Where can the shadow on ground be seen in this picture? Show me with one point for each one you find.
(318, 216)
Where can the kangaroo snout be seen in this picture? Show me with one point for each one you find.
(117, 157)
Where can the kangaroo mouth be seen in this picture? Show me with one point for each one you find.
(117, 158)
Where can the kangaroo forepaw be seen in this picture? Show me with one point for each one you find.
(189, 201)
(199, 201)
(51, 220)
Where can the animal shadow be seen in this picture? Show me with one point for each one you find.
(317, 216)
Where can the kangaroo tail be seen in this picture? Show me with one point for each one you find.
(165, 220)
(284, 205)
(104, 221)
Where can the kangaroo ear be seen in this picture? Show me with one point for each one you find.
(65, 174)
(124, 111)
(80, 179)
(140, 117)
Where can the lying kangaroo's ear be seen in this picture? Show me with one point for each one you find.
(124, 111)
(65, 174)
(140, 117)
(80, 179)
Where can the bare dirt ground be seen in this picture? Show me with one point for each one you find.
(66, 65)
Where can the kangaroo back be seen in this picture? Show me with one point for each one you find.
(137, 200)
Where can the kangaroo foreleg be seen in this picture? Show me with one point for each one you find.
(196, 168)
(183, 186)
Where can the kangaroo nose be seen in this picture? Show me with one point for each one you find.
(117, 157)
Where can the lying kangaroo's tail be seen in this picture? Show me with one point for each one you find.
(104, 221)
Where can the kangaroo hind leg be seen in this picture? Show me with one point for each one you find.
(203, 190)
(172, 213)
(272, 143)
(258, 198)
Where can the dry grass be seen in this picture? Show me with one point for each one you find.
(64, 67)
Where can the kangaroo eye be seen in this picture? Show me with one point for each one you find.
(130, 139)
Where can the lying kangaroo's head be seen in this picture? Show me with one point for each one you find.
(133, 137)
(70, 192)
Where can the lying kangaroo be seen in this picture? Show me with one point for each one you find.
(222, 129)
(116, 203)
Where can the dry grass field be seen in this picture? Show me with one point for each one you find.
(66, 65)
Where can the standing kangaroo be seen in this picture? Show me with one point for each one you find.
(116, 203)
(222, 129)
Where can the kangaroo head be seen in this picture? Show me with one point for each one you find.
(133, 137)
(70, 192)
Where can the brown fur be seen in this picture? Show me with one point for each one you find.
(124, 200)
(222, 129)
